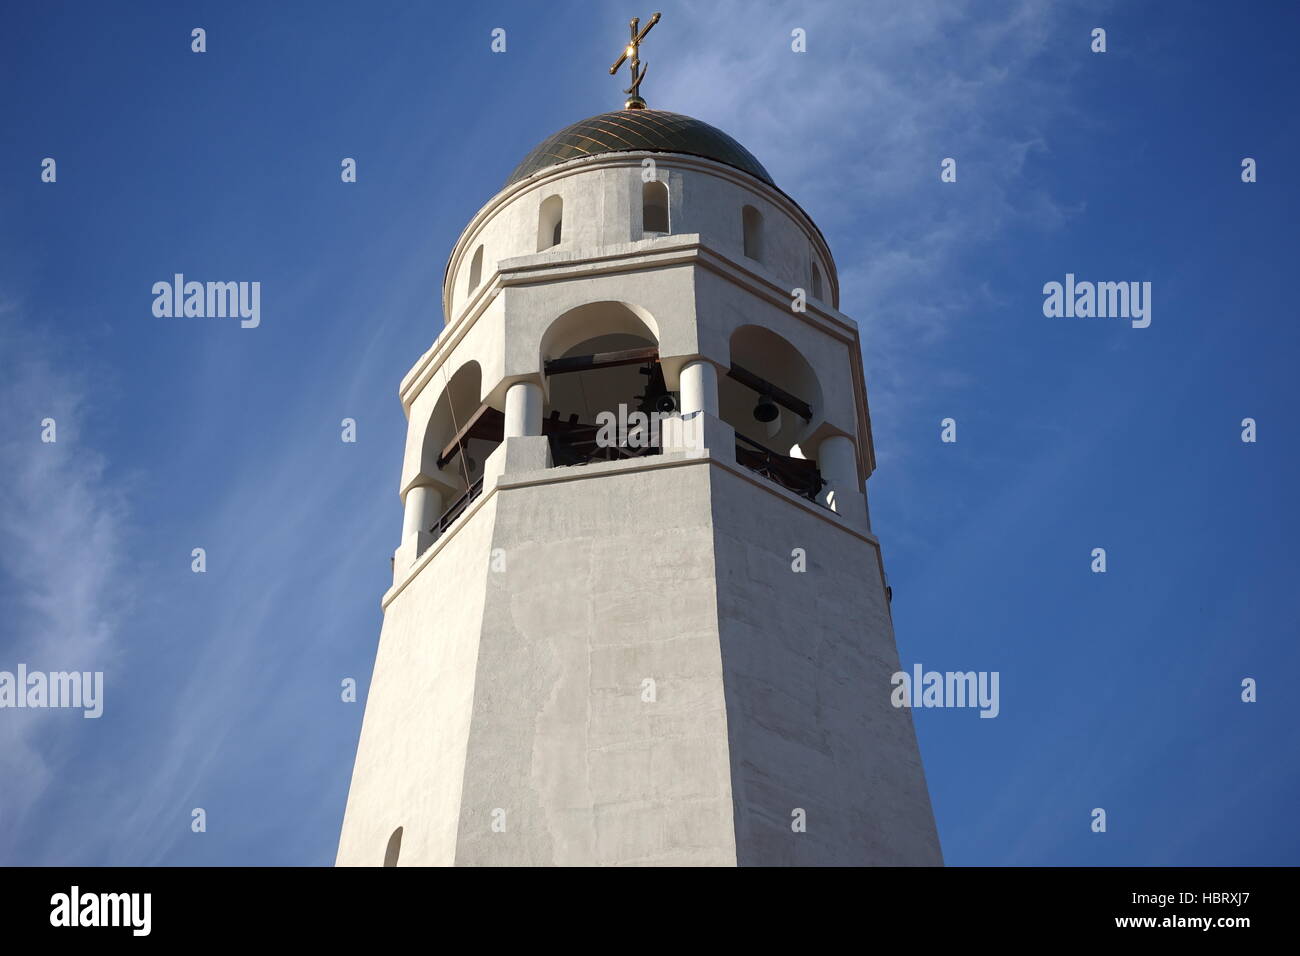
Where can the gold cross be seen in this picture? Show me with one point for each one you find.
(634, 101)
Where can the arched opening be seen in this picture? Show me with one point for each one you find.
(394, 849)
(817, 283)
(752, 224)
(604, 385)
(461, 433)
(550, 223)
(768, 396)
(654, 209)
(475, 270)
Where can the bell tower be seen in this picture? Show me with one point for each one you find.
(638, 614)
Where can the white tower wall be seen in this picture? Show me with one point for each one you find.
(506, 721)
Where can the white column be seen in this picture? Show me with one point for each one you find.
(838, 462)
(523, 410)
(699, 388)
(423, 506)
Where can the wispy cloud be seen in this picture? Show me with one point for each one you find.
(62, 543)
(288, 591)
(855, 130)
(296, 521)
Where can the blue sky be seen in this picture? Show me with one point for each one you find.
(1119, 690)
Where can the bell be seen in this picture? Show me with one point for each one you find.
(666, 403)
(766, 410)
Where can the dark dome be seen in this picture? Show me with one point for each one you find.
(653, 130)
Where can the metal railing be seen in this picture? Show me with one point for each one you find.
(794, 474)
(457, 508)
(576, 444)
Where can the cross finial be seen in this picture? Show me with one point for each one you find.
(634, 101)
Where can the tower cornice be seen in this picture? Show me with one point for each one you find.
(599, 469)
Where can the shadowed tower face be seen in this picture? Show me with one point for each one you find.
(638, 615)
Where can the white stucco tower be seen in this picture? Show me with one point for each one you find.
(599, 649)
